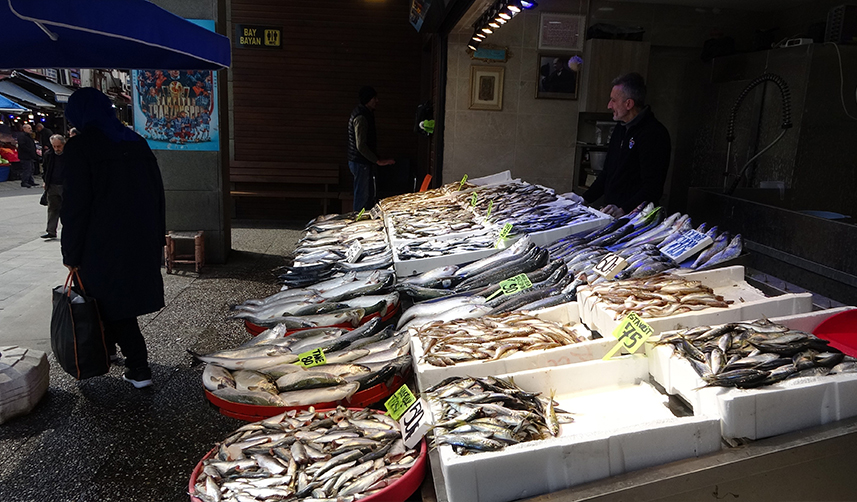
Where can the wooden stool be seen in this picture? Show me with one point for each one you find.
(198, 256)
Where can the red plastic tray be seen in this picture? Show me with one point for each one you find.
(397, 492)
(841, 331)
(255, 412)
(255, 329)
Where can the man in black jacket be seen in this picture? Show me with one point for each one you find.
(638, 156)
(363, 146)
(54, 174)
(43, 134)
(27, 155)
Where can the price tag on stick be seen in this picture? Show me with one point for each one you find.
(690, 243)
(311, 358)
(360, 214)
(473, 199)
(632, 333)
(463, 181)
(511, 286)
(503, 234)
(411, 413)
(610, 265)
(490, 206)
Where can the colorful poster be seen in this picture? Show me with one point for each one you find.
(177, 109)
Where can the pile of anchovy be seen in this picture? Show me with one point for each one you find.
(657, 296)
(753, 354)
(339, 454)
(493, 337)
(405, 199)
(429, 222)
(486, 414)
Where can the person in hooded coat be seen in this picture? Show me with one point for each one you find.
(114, 224)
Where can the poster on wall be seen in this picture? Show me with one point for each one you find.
(177, 109)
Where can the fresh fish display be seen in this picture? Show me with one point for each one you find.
(480, 240)
(486, 414)
(340, 455)
(755, 354)
(493, 337)
(733, 250)
(421, 199)
(443, 217)
(657, 296)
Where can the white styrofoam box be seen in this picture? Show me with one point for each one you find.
(492, 179)
(428, 375)
(621, 424)
(767, 411)
(748, 304)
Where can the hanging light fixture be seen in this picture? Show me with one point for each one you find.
(528, 5)
(500, 13)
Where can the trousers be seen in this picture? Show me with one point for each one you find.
(362, 186)
(27, 173)
(54, 206)
(126, 333)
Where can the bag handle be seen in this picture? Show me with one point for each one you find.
(68, 281)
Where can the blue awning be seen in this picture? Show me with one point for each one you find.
(21, 95)
(9, 106)
(105, 34)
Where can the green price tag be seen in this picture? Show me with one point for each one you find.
(360, 214)
(511, 286)
(399, 402)
(490, 205)
(473, 199)
(503, 234)
(632, 333)
(311, 358)
(463, 181)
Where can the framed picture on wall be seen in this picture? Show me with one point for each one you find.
(559, 76)
(486, 87)
(560, 32)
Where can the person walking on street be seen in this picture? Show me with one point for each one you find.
(114, 224)
(54, 170)
(27, 156)
(638, 156)
(363, 146)
(43, 134)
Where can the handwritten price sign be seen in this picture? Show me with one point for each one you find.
(311, 358)
(610, 265)
(632, 333)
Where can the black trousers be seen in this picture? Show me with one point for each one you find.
(126, 333)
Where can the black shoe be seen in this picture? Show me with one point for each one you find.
(49, 236)
(139, 377)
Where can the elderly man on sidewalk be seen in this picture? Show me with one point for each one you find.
(54, 168)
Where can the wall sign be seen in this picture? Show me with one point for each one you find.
(251, 36)
(491, 53)
(560, 31)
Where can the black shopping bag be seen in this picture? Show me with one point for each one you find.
(77, 335)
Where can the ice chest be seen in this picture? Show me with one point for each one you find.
(621, 424)
(762, 412)
(428, 375)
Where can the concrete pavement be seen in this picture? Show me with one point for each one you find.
(29, 268)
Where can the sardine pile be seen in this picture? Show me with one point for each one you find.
(481, 239)
(340, 455)
(529, 208)
(493, 337)
(405, 200)
(753, 354)
(486, 414)
(657, 296)
(444, 217)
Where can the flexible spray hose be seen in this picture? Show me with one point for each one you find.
(730, 131)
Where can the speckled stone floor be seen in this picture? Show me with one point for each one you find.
(101, 439)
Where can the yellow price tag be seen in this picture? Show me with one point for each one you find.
(473, 199)
(632, 333)
(463, 181)
(503, 234)
(490, 205)
(360, 214)
(399, 402)
(311, 358)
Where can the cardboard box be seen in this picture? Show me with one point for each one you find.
(763, 412)
(748, 304)
(621, 424)
(428, 375)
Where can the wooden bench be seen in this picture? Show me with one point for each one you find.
(284, 180)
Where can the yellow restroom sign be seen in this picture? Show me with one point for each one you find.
(259, 37)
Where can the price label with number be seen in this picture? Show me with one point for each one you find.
(690, 243)
(511, 286)
(632, 333)
(473, 199)
(610, 265)
(504, 232)
(311, 358)
(490, 206)
(399, 402)
(375, 212)
(463, 181)
(415, 422)
(354, 251)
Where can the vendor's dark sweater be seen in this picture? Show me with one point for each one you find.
(636, 166)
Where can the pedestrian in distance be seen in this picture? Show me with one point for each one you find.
(114, 224)
(43, 135)
(54, 172)
(27, 156)
(363, 146)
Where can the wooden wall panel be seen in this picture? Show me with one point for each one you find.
(293, 104)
